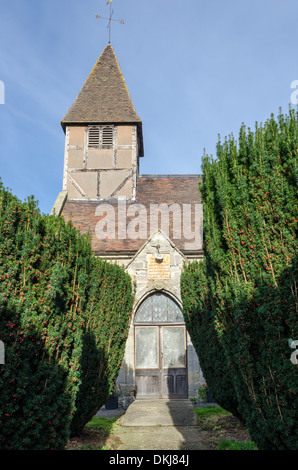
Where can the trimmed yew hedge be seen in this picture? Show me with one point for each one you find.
(242, 300)
(197, 313)
(64, 318)
(107, 316)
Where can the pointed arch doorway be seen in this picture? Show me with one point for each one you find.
(160, 349)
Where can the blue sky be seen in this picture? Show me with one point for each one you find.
(194, 70)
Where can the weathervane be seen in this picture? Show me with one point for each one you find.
(110, 19)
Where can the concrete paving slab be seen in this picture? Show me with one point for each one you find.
(158, 438)
(160, 412)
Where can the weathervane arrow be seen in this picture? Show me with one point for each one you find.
(110, 19)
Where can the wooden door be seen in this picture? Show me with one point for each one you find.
(173, 369)
(147, 361)
(160, 361)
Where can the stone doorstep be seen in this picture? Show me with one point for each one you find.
(160, 412)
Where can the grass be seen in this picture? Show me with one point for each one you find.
(221, 430)
(95, 435)
(102, 424)
(230, 444)
(91, 447)
(210, 410)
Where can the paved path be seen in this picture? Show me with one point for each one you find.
(158, 425)
(160, 413)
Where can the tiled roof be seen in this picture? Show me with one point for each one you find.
(104, 97)
(168, 190)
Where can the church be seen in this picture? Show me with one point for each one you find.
(150, 224)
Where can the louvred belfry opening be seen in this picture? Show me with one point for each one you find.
(93, 137)
(107, 137)
(101, 136)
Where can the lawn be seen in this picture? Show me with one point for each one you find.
(220, 430)
(97, 435)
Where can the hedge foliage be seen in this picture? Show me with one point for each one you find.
(240, 303)
(64, 318)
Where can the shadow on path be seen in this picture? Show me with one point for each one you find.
(159, 425)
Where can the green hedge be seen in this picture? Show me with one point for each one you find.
(197, 312)
(58, 309)
(245, 292)
(107, 320)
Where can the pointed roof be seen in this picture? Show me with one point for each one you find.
(104, 97)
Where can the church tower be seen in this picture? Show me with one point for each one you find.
(150, 224)
(103, 137)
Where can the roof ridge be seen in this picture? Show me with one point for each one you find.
(122, 76)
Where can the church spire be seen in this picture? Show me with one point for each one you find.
(104, 97)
